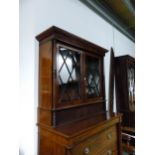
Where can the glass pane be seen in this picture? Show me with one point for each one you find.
(68, 65)
(92, 77)
(131, 86)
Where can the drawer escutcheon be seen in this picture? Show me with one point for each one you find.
(109, 152)
(109, 136)
(86, 150)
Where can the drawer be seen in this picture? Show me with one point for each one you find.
(97, 142)
(110, 150)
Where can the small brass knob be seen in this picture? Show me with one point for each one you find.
(86, 150)
(109, 136)
(109, 152)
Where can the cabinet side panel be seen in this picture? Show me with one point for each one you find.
(119, 142)
(44, 116)
(49, 147)
(45, 82)
(103, 82)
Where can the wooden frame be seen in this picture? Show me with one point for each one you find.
(67, 129)
(111, 80)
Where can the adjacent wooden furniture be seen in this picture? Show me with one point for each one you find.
(125, 89)
(125, 98)
(72, 117)
(111, 81)
(128, 142)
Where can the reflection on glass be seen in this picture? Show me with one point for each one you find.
(92, 77)
(131, 84)
(68, 62)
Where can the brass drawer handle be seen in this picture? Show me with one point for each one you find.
(109, 152)
(86, 150)
(109, 136)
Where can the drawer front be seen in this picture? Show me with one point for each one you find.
(97, 143)
(110, 150)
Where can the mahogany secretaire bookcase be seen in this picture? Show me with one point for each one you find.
(72, 117)
(125, 98)
(125, 89)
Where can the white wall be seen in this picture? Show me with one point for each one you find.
(71, 15)
(28, 97)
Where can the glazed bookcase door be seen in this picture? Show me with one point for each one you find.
(68, 72)
(131, 86)
(93, 78)
(125, 89)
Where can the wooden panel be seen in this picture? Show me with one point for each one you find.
(110, 150)
(45, 75)
(46, 83)
(49, 147)
(97, 142)
(121, 85)
(72, 114)
(44, 116)
(45, 100)
(119, 135)
(53, 135)
(71, 39)
(97, 123)
(45, 65)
